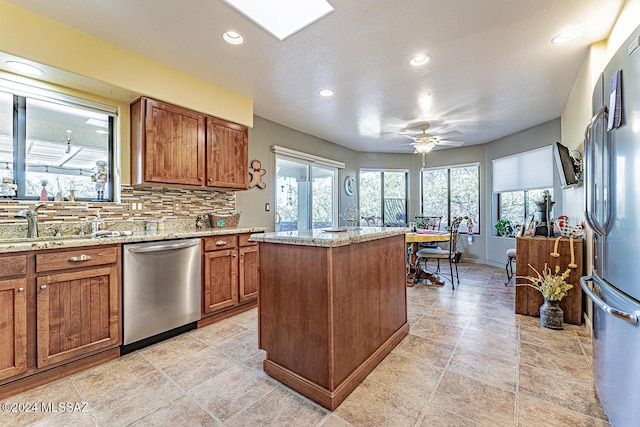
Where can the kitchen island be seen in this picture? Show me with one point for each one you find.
(332, 305)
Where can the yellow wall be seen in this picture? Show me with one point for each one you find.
(33, 37)
(40, 39)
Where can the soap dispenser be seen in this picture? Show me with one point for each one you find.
(97, 224)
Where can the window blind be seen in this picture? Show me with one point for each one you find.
(524, 171)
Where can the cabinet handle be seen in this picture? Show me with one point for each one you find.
(20, 290)
(201, 178)
(221, 242)
(79, 258)
(43, 287)
(210, 179)
(234, 255)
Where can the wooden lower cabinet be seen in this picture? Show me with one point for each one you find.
(249, 273)
(59, 313)
(13, 327)
(77, 313)
(220, 280)
(230, 273)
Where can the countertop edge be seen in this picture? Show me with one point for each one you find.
(330, 239)
(62, 243)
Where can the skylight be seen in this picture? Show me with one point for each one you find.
(282, 18)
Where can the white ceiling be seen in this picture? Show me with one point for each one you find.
(493, 70)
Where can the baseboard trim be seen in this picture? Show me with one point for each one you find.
(330, 399)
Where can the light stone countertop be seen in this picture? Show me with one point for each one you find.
(40, 243)
(327, 238)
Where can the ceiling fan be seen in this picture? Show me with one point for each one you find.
(424, 142)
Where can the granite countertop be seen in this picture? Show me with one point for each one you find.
(328, 238)
(40, 243)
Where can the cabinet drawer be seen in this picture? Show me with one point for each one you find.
(244, 240)
(15, 265)
(214, 243)
(81, 257)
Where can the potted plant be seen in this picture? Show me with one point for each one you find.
(504, 227)
(553, 287)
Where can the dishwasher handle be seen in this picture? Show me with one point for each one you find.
(165, 247)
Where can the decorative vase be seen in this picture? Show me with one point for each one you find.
(551, 315)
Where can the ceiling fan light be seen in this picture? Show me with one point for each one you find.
(423, 147)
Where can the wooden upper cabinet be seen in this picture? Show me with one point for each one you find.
(174, 145)
(167, 144)
(227, 155)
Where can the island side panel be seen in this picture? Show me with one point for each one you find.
(293, 309)
(369, 301)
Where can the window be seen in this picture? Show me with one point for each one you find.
(519, 182)
(517, 206)
(452, 192)
(55, 146)
(306, 191)
(383, 197)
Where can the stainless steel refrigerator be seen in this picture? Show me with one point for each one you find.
(612, 209)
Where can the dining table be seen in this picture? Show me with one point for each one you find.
(413, 239)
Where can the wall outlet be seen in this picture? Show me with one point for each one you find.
(136, 207)
(177, 207)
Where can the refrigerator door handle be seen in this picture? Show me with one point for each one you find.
(589, 179)
(627, 317)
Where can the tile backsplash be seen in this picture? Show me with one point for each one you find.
(158, 203)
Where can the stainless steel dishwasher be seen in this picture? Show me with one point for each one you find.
(161, 290)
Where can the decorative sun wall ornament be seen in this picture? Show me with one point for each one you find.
(256, 173)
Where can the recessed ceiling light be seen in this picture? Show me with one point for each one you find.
(420, 59)
(565, 36)
(25, 68)
(233, 38)
(326, 92)
(282, 18)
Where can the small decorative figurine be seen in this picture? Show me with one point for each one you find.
(8, 188)
(43, 194)
(72, 195)
(99, 176)
(256, 175)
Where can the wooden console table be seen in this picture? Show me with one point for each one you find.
(537, 251)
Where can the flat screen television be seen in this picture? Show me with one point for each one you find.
(568, 167)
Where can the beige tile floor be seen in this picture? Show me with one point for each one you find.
(468, 361)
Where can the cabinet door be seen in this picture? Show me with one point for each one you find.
(13, 327)
(249, 274)
(77, 313)
(174, 145)
(220, 280)
(227, 155)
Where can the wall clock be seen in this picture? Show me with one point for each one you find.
(349, 185)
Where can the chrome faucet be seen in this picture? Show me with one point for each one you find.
(31, 216)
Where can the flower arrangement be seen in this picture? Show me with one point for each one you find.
(552, 286)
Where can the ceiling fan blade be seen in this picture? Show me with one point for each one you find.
(448, 134)
(450, 143)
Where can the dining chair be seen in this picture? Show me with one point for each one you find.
(426, 254)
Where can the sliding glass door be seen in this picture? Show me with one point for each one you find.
(306, 195)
